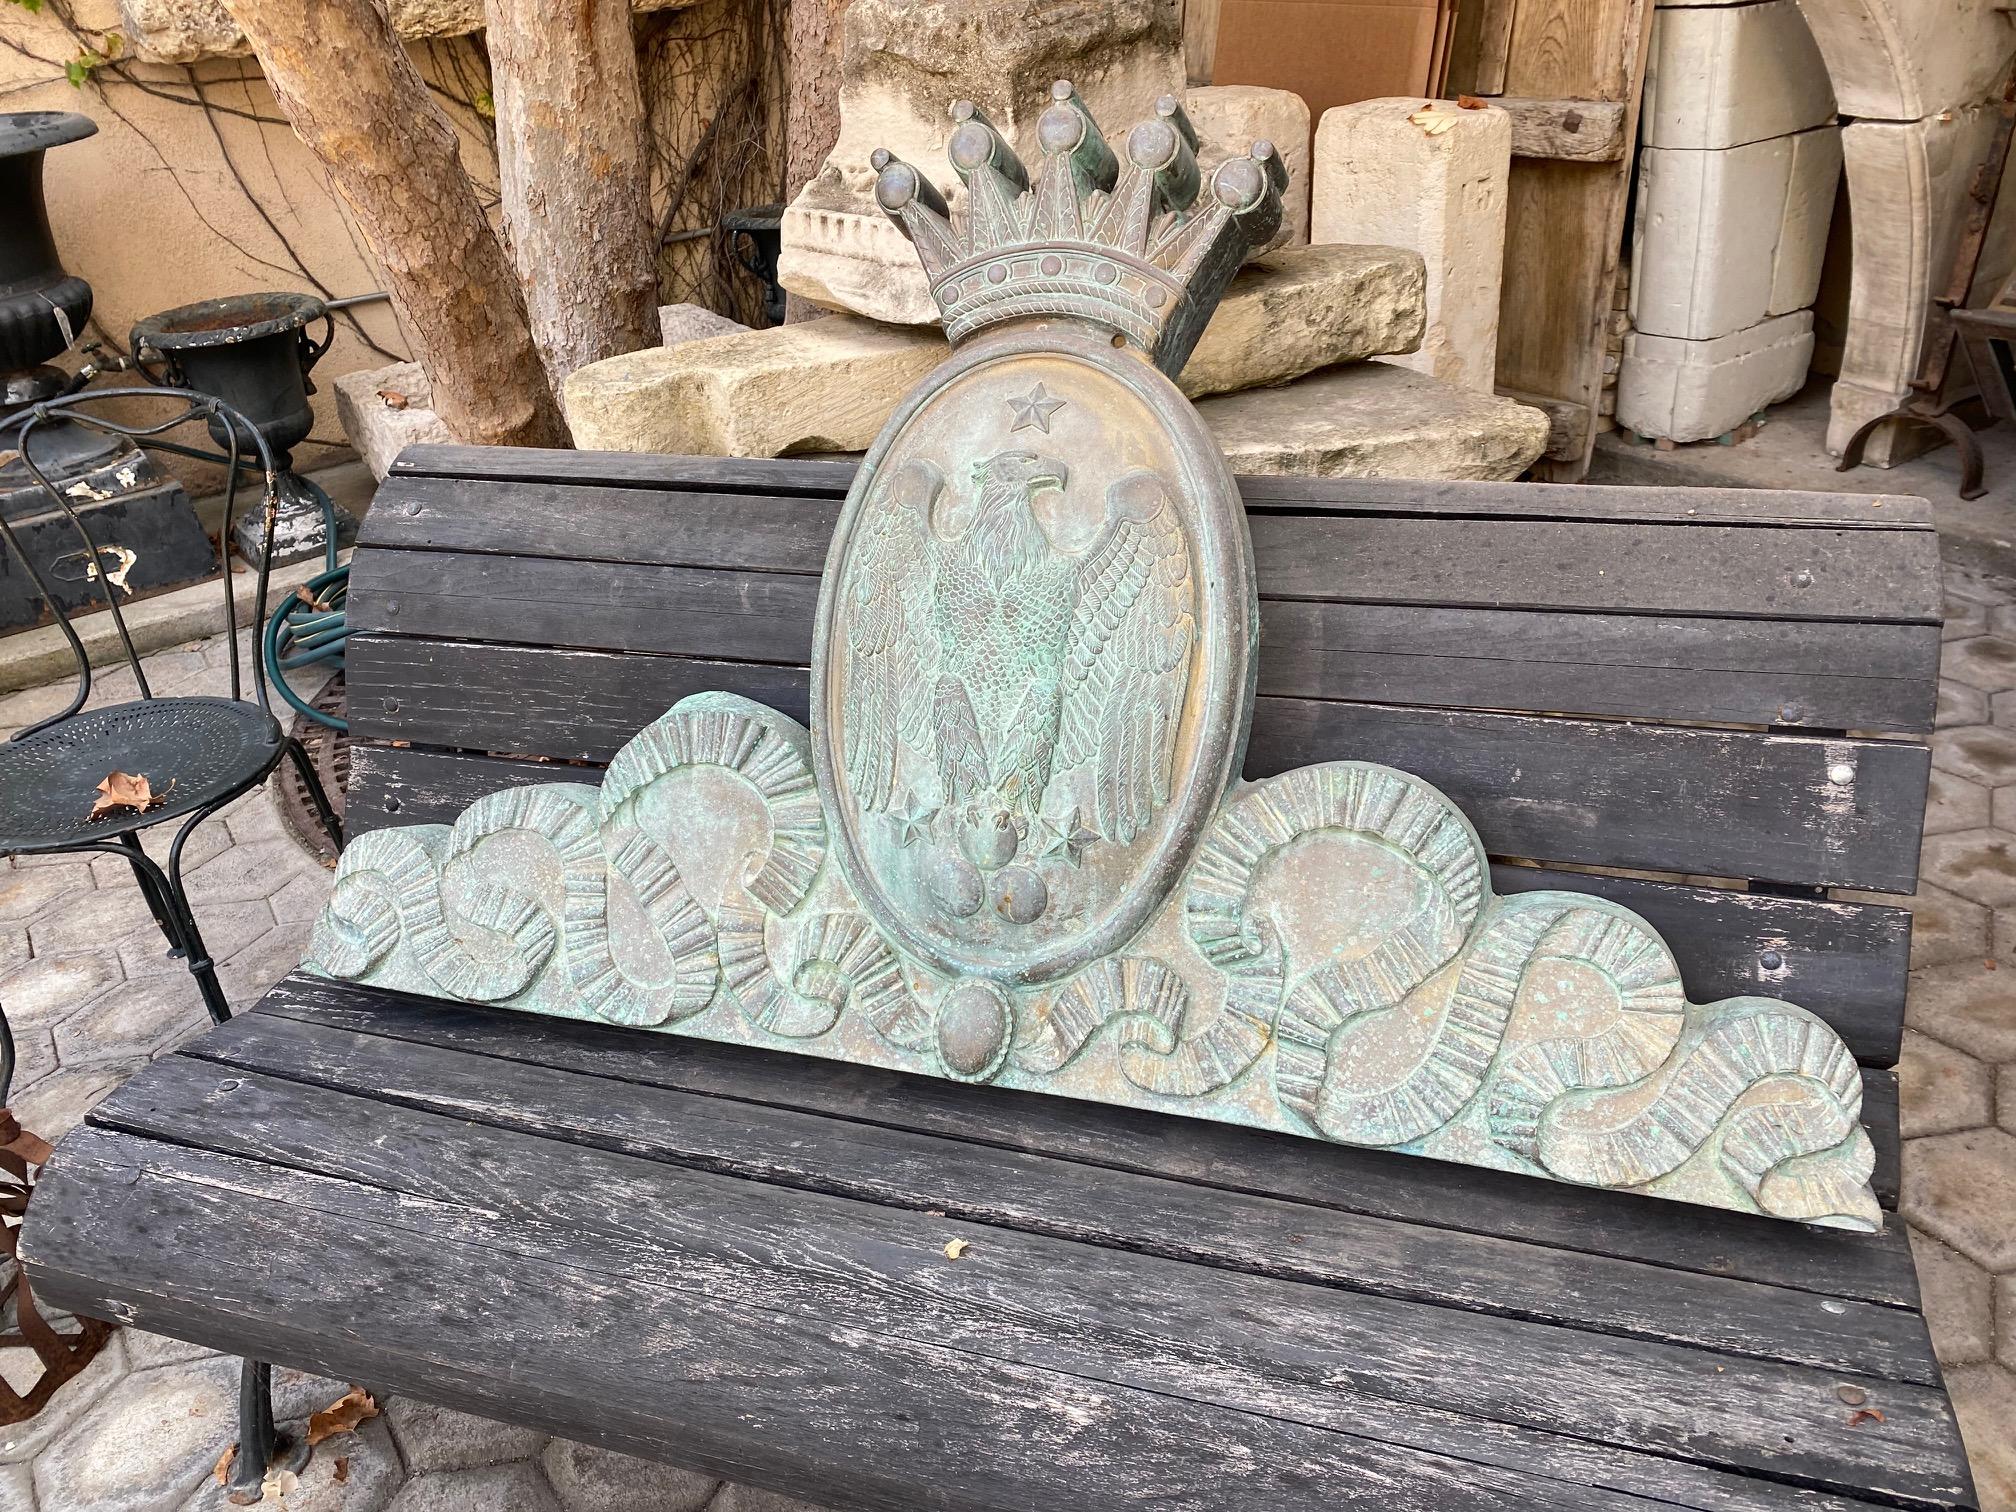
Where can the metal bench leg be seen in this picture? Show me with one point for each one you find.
(312, 780)
(261, 1447)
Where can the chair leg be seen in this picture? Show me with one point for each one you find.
(261, 1447)
(317, 794)
(200, 965)
(150, 889)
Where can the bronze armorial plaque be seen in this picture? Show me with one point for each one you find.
(1015, 847)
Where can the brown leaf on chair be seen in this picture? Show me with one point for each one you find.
(223, 1467)
(123, 792)
(341, 1416)
(394, 399)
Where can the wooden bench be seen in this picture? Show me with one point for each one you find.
(738, 1260)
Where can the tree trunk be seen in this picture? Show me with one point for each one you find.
(575, 176)
(356, 100)
(812, 122)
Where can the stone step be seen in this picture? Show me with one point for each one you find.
(829, 384)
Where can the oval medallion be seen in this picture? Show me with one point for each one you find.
(1033, 667)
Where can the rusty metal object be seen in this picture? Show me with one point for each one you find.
(1014, 846)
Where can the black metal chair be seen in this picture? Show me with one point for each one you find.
(198, 753)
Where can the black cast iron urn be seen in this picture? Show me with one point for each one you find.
(42, 308)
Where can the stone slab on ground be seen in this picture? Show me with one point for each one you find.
(1694, 390)
(1375, 420)
(1432, 179)
(830, 384)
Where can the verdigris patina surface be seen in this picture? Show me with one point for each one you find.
(1015, 847)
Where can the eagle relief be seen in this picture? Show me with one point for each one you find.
(1015, 845)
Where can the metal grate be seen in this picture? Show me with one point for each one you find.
(329, 750)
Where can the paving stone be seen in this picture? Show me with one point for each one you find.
(1959, 705)
(146, 1444)
(227, 928)
(91, 920)
(34, 1055)
(205, 841)
(2005, 1097)
(2002, 619)
(301, 900)
(58, 1102)
(249, 871)
(587, 1479)
(17, 1488)
(502, 1488)
(2002, 708)
(21, 1441)
(297, 1393)
(2002, 809)
(1968, 1006)
(749, 1499)
(53, 986)
(1984, 753)
(439, 1438)
(26, 894)
(1961, 1188)
(1955, 803)
(148, 1349)
(255, 817)
(1984, 1400)
(2005, 1319)
(134, 1018)
(1959, 1302)
(1978, 864)
(1987, 662)
(1944, 927)
(14, 947)
(366, 1462)
(249, 973)
(1941, 1089)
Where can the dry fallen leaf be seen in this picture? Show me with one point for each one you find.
(956, 1248)
(1432, 122)
(1863, 1415)
(339, 1469)
(223, 1467)
(121, 791)
(341, 1416)
(394, 399)
(1470, 102)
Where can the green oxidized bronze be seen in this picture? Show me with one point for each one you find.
(1015, 847)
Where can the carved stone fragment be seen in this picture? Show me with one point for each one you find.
(1014, 847)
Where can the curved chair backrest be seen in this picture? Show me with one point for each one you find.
(78, 408)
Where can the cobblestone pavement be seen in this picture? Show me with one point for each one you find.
(92, 997)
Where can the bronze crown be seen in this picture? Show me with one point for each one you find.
(1126, 245)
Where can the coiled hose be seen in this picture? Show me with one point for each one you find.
(309, 628)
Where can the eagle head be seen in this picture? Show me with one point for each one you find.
(1019, 474)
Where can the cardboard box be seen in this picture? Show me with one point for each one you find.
(1330, 52)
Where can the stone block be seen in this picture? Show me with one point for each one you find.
(1961, 1188)
(1375, 420)
(588, 1479)
(1897, 60)
(1230, 117)
(1692, 390)
(381, 427)
(692, 322)
(1721, 76)
(902, 64)
(1956, 1295)
(1727, 238)
(1432, 180)
(1941, 1090)
(433, 1438)
(829, 384)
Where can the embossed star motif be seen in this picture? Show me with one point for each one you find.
(1035, 410)
(913, 820)
(1066, 838)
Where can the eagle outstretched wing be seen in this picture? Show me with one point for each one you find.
(1128, 664)
(892, 649)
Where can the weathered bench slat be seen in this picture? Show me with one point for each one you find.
(1452, 1198)
(1585, 792)
(650, 1336)
(816, 477)
(1682, 565)
(1845, 961)
(1264, 1236)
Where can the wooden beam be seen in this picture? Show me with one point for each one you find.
(1567, 423)
(1576, 131)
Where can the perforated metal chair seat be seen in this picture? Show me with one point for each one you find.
(192, 750)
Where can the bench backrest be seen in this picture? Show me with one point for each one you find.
(1731, 688)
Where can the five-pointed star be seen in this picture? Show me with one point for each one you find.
(1068, 837)
(1035, 410)
(913, 822)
